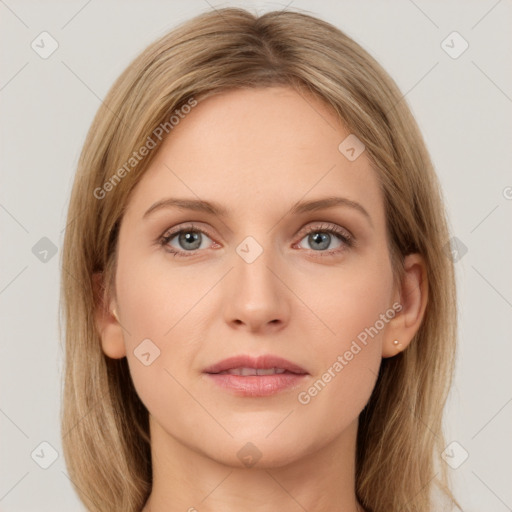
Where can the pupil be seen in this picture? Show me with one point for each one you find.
(191, 237)
(322, 238)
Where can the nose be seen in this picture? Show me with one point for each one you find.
(256, 299)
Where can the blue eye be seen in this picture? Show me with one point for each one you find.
(319, 238)
(188, 239)
(191, 239)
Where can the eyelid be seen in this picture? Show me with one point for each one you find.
(347, 239)
(188, 226)
(344, 235)
(329, 227)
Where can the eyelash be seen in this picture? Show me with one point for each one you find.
(346, 238)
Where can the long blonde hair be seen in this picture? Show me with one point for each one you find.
(104, 424)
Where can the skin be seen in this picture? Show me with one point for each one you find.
(256, 152)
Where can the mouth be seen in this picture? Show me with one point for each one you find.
(256, 376)
(246, 365)
(246, 372)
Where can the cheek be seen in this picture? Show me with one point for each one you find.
(348, 362)
(349, 299)
(154, 296)
(353, 302)
(160, 308)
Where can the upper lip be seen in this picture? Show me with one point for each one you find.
(265, 361)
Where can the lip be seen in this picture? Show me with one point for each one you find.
(256, 385)
(264, 361)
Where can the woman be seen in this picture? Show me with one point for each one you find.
(260, 313)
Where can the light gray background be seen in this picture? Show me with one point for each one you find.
(463, 107)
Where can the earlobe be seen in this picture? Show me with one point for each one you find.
(107, 322)
(413, 297)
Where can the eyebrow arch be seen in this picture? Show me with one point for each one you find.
(188, 204)
(329, 202)
(217, 209)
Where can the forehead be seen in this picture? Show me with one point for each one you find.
(253, 148)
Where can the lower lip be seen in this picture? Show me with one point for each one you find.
(257, 385)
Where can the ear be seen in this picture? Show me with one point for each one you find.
(413, 297)
(108, 326)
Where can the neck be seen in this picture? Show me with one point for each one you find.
(185, 479)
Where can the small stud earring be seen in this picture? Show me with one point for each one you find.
(396, 343)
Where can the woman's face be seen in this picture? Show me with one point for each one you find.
(265, 277)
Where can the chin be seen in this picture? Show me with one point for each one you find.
(259, 451)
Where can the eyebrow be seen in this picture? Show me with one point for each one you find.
(216, 209)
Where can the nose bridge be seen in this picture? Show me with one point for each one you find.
(253, 263)
(256, 296)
